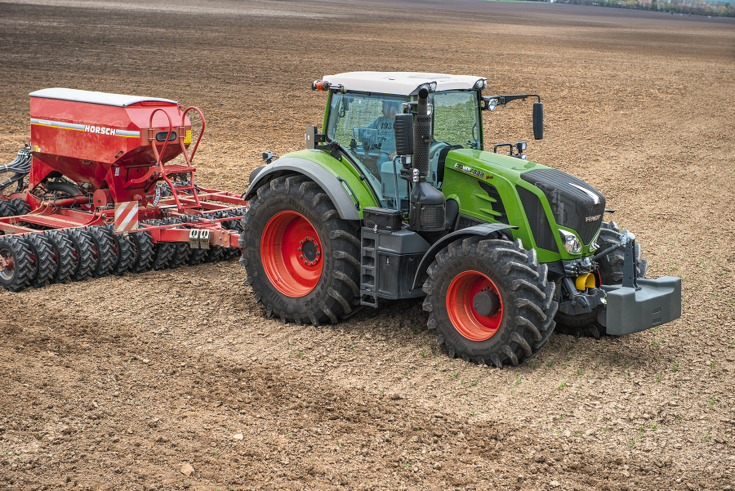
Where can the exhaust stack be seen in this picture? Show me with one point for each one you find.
(427, 213)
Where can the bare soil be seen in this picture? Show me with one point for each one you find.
(116, 383)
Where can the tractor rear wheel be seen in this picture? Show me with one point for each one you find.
(16, 267)
(301, 258)
(490, 301)
(610, 273)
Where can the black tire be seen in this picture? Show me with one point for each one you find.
(41, 259)
(62, 256)
(7, 209)
(15, 251)
(102, 251)
(611, 273)
(122, 251)
(214, 254)
(162, 251)
(611, 265)
(142, 245)
(197, 256)
(20, 205)
(180, 255)
(520, 283)
(236, 226)
(83, 253)
(336, 292)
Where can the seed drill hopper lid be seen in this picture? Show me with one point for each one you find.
(91, 97)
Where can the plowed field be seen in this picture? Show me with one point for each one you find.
(116, 383)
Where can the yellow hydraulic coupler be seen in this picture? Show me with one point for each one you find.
(584, 281)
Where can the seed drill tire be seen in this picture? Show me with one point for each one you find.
(41, 259)
(103, 252)
(20, 205)
(611, 272)
(527, 299)
(142, 245)
(62, 254)
(180, 255)
(122, 251)
(336, 293)
(15, 248)
(7, 209)
(84, 255)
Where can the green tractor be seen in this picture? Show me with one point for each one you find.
(399, 198)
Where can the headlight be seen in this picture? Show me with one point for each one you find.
(571, 242)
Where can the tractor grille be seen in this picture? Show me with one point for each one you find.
(574, 203)
(540, 228)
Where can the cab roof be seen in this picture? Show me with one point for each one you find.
(400, 83)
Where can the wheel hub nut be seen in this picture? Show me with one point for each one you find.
(310, 251)
(486, 303)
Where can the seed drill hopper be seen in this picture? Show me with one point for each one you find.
(99, 190)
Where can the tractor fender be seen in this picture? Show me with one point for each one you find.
(479, 230)
(346, 206)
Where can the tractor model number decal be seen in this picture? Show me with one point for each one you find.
(469, 170)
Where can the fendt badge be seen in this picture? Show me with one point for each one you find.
(592, 218)
(469, 170)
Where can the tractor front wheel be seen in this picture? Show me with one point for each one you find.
(490, 301)
(301, 258)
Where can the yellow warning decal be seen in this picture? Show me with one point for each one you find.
(187, 138)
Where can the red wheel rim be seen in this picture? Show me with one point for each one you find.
(291, 253)
(465, 319)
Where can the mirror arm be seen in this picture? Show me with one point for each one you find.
(505, 99)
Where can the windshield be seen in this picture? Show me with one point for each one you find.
(363, 125)
(457, 118)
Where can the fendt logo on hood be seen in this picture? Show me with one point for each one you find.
(592, 218)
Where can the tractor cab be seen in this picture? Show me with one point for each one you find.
(361, 120)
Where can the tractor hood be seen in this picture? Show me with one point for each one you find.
(574, 203)
(519, 191)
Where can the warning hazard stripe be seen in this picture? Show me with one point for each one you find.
(126, 217)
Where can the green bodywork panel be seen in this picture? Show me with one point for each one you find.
(340, 168)
(463, 171)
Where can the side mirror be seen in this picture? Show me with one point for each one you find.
(538, 120)
(403, 129)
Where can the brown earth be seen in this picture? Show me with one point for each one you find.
(116, 383)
